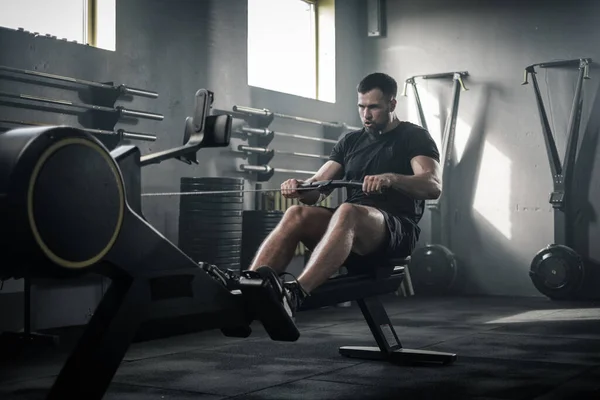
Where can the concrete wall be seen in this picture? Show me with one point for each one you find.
(499, 194)
(173, 48)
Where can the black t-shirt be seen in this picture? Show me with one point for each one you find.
(362, 153)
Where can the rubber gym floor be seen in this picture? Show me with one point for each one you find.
(508, 348)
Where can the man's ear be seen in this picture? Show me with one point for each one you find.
(393, 103)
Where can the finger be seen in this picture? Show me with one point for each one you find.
(372, 184)
(366, 183)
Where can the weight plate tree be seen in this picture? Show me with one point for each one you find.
(557, 271)
(433, 267)
(210, 227)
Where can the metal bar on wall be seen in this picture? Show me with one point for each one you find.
(121, 133)
(265, 113)
(118, 110)
(264, 150)
(123, 89)
(266, 169)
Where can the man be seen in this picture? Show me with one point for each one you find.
(398, 163)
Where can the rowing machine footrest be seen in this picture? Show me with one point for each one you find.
(264, 301)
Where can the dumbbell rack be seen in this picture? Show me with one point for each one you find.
(97, 114)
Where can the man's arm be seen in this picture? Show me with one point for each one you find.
(330, 170)
(425, 184)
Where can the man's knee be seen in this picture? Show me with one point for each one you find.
(347, 214)
(366, 223)
(295, 215)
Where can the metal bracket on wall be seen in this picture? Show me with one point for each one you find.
(562, 174)
(439, 229)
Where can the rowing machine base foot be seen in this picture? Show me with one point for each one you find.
(239, 332)
(400, 356)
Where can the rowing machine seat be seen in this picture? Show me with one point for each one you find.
(365, 289)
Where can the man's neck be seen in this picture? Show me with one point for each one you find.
(393, 124)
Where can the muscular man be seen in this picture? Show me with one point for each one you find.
(398, 163)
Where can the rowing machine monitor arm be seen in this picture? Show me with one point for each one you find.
(202, 130)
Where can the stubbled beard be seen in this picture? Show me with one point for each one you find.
(375, 128)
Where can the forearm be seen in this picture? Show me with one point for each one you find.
(422, 187)
(312, 197)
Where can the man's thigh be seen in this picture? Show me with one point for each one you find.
(396, 243)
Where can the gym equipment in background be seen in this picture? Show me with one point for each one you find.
(433, 267)
(221, 244)
(256, 131)
(119, 90)
(557, 271)
(118, 111)
(270, 115)
(120, 134)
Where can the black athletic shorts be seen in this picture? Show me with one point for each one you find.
(401, 238)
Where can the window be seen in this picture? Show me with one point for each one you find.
(90, 22)
(291, 47)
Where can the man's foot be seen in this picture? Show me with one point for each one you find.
(295, 294)
(268, 298)
(291, 293)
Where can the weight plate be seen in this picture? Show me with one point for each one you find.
(212, 180)
(211, 205)
(204, 228)
(195, 240)
(211, 187)
(196, 219)
(221, 253)
(211, 237)
(216, 207)
(433, 269)
(557, 271)
(213, 258)
(258, 229)
(208, 231)
(215, 243)
(213, 247)
(212, 184)
(213, 214)
(261, 214)
(211, 199)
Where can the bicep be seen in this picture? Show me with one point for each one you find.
(423, 165)
(330, 170)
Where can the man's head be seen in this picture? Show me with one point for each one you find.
(376, 100)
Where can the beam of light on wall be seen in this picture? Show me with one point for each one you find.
(492, 197)
(577, 314)
(461, 137)
(431, 108)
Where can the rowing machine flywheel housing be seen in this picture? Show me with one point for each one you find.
(433, 269)
(557, 271)
(64, 201)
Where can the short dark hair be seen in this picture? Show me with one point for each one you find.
(381, 81)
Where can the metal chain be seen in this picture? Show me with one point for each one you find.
(216, 192)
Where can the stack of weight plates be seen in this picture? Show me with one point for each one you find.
(257, 225)
(210, 225)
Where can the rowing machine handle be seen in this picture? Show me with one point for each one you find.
(331, 184)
